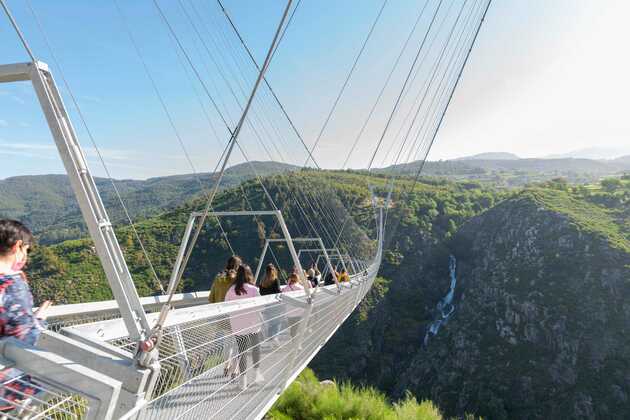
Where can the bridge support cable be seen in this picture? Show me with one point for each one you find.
(385, 84)
(434, 73)
(231, 144)
(308, 200)
(419, 145)
(397, 102)
(275, 97)
(85, 125)
(454, 87)
(238, 144)
(168, 114)
(433, 39)
(223, 144)
(439, 94)
(346, 81)
(416, 100)
(442, 113)
(414, 69)
(333, 220)
(402, 90)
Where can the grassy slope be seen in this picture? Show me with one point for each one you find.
(308, 399)
(604, 221)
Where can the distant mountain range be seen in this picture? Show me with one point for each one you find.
(491, 156)
(595, 153)
(591, 153)
(508, 170)
(47, 204)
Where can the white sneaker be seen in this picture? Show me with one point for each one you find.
(242, 382)
(259, 376)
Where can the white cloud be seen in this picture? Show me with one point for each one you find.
(30, 150)
(25, 146)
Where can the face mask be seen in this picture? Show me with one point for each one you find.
(18, 265)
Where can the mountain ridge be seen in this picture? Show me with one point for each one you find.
(47, 202)
(490, 156)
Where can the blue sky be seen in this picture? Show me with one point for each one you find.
(545, 77)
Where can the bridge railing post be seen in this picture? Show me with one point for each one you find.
(296, 346)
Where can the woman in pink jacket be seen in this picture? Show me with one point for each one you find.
(246, 324)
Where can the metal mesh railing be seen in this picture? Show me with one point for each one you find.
(210, 368)
(26, 397)
(229, 360)
(78, 314)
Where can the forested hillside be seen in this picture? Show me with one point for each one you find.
(70, 271)
(539, 328)
(512, 172)
(47, 204)
(540, 315)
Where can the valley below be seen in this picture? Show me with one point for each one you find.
(535, 327)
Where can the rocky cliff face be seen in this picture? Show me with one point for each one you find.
(540, 329)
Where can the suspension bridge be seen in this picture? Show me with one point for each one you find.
(171, 355)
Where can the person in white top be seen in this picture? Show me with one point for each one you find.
(246, 324)
(293, 314)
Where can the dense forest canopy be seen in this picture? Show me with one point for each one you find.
(538, 246)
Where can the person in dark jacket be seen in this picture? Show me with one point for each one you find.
(272, 314)
(270, 285)
(17, 318)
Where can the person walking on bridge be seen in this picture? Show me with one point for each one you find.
(273, 312)
(17, 318)
(246, 324)
(225, 346)
(224, 280)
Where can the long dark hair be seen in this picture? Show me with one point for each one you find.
(233, 263)
(243, 275)
(12, 231)
(271, 276)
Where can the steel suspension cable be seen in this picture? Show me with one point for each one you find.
(432, 78)
(346, 81)
(167, 113)
(452, 91)
(17, 30)
(397, 103)
(231, 144)
(391, 116)
(215, 105)
(450, 97)
(94, 144)
(439, 92)
(387, 80)
(412, 81)
(414, 149)
(278, 102)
